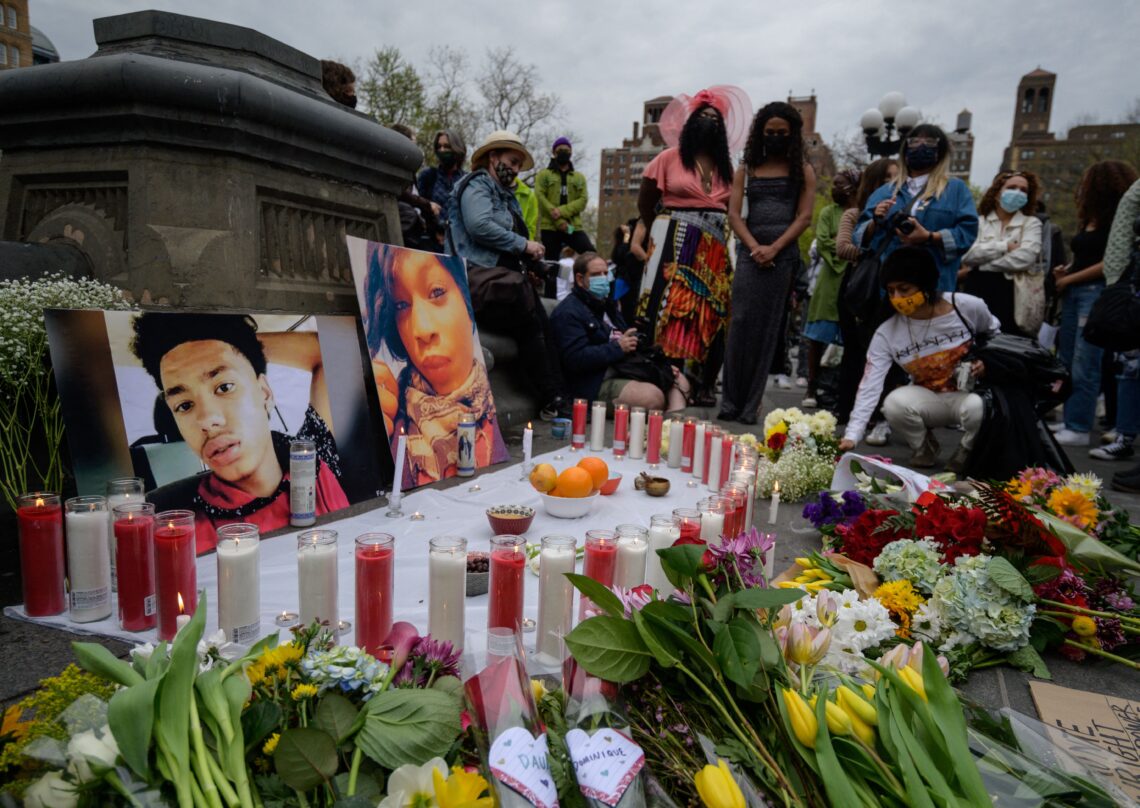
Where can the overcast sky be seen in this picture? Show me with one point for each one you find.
(605, 58)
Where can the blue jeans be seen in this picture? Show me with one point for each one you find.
(1128, 394)
(1081, 358)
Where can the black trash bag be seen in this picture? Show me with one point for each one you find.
(1012, 436)
(1014, 361)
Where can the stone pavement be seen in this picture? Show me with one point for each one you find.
(35, 652)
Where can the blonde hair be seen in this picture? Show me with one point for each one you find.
(939, 175)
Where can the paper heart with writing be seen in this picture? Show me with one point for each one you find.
(518, 760)
(605, 763)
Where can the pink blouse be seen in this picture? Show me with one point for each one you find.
(681, 188)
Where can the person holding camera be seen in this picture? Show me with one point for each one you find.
(929, 336)
(486, 227)
(924, 207)
(601, 355)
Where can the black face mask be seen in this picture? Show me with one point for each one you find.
(562, 158)
(777, 145)
(350, 102)
(921, 157)
(506, 175)
(445, 158)
(707, 127)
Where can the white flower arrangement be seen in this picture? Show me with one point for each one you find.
(859, 625)
(801, 471)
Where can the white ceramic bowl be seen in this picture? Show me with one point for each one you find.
(568, 507)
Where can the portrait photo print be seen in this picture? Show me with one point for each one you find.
(426, 359)
(203, 406)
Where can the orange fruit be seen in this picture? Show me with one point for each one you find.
(574, 482)
(599, 471)
(543, 477)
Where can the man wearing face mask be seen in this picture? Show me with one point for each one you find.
(436, 182)
(924, 207)
(593, 341)
(1008, 245)
(562, 197)
(486, 227)
(929, 337)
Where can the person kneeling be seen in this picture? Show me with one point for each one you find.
(929, 337)
(597, 348)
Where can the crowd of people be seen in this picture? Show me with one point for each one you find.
(706, 289)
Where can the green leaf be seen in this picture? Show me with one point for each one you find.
(215, 709)
(305, 758)
(408, 726)
(662, 647)
(951, 721)
(684, 560)
(609, 648)
(761, 598)
(738, 651)
(668, 610)
(598, 593)
(258, 721)
(1005, 575)
(1040, 573)
(172, 729)
(840, 790)
(96, 659)
(916, 791)
(1028, 660)
(335, 715)
(450, 685)
(684, 636)
(130, 714)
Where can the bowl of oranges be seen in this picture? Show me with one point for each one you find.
(570, 493)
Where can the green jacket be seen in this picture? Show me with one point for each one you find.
(548, 189)
(529, 204)
(824, 303)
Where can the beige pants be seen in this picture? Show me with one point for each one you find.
(911, 410)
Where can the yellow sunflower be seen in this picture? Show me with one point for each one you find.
(274, 663)
(1020, 490)
(1073, 506)
(902, 601)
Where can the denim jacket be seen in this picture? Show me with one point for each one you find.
(480, 225)
(952, 215)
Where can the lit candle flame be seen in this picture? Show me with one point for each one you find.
(39, 502)
(181, 605)
(528, 425)
(170, 525)
(776, 487)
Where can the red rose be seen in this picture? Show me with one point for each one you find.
(862, 541)
(777, 441)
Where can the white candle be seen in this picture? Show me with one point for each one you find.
(663, 531)
(181, 622)
(555, 595)
(699, 451)
(447, 588)
(632, 551)
(398, 474)
(774, 508)
(676, 439)
(716, 447)
(712, 525)
(528, 445)
(239, 583)
(637, 433)
(598, 426)
(88, 531)
(316, 577)
(770, 562)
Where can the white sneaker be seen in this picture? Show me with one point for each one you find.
(1067, 437)
(1055, 426)
(880, 435)
(1119, 449)
(1111, 436)
(809, 403)
(783, 382)
(801, 381)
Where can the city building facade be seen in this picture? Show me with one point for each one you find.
(962, 146)
(15, 34)
(622, 168)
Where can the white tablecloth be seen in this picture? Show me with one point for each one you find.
(458, 511)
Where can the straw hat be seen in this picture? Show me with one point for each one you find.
(502, 139)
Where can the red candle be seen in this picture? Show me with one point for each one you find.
(738, 495)
(42, 566)
(508, 560)
(601, 560)
(689, 521)
(578, 425)
(688, 443)
(710, 434)
(621, 429)
(726, 447)
(653, 443)
(375, 553)
(175, 570)
(134, 535)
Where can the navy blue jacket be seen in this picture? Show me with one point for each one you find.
(584, 343)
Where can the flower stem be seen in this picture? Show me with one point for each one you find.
(1070, 609)
(353, 772)
(1099, 652)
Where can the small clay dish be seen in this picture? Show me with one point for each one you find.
(610, 485)
(478, 573)
(513, 520)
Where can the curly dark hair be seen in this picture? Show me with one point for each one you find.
(1100, 190)
(715, 147)
(754, 155)
(990, 200)
(158, 333)
(336, 79)
(874, 177)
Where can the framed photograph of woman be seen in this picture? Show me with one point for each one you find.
(426, 358)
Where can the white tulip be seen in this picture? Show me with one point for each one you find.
(51, 791)
(87, 750)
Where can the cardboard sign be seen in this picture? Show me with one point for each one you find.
(1100, 732)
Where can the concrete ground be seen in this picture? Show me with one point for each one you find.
(35, 652)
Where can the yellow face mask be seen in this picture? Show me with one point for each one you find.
(908, 305)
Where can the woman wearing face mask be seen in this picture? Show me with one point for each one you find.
(780, 186)
(1009, 241)
(687, 281)
(487, 229)
(928, 337)
(436, 182)
(562, 196)
(924, 207)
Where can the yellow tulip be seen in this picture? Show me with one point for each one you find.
(838, 722)
(856, 705)
(717, 787)
(862, 731)
(461, 789)
(803, 720)
(869, 691)
(815, 586)
(914, 679)
(806, 563)
(788, 585)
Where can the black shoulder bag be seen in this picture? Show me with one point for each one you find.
(1114, 321)
(860, 291)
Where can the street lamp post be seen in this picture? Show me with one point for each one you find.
(880, 124)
